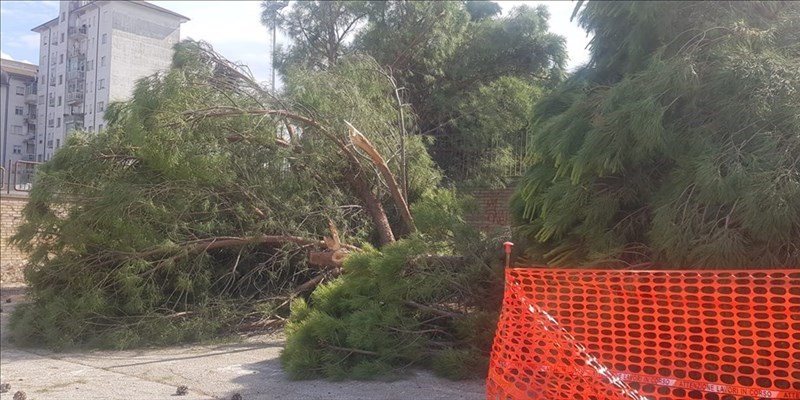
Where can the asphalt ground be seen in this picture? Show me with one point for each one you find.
(249, 367)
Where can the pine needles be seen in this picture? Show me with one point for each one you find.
(679, 138)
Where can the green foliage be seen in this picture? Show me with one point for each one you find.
(321, 30)
(454, 66)
(479, 10)
(368, 324)
(494, 116)
(440, 53)
(676, 145)
(115, 218)
(365, 324)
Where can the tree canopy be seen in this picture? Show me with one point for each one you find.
(676, 146)
(440, 53)
(205, 188)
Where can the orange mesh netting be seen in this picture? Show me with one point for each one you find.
(657, 335)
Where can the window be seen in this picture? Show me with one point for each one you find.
(99, 127)
(19, 110)
(59, 100)
(58, 143)
(60, 79)
(41, 99)
(101, 84)
(102, 61)
(101, 106)
(17, 149)
(39, 158)
(104, 38)
(63, 16)
(50, 123)
(58, 122)
(62, 38)
(60, 58)
(16, 129)
(21, 90)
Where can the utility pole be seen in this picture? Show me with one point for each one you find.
(274, 34)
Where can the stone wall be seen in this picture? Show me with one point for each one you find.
(12, 260)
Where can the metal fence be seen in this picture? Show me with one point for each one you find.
(18, 176)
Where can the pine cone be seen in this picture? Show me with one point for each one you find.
(20, 395)
(236, 396)
(183, 390)
(5, 387)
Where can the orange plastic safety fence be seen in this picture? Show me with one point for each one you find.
(657, 335)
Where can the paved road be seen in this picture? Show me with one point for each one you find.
(250, 368)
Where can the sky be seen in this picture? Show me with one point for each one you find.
(233, 28)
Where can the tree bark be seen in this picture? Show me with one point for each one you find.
(373, 206)
(399, 200)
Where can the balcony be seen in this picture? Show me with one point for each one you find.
(30, 119)
(30, 94)
(51, 102)
(74, 97)
(76, 119)
(77, 75)
(77, 33)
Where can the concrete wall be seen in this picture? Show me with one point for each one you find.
(12, 260)
(141, 44)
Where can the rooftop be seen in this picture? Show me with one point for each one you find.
(18, 68)
(141, 3)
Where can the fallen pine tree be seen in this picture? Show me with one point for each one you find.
(209, 202)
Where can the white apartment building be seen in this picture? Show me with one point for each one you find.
(17, 112)
(92, 54)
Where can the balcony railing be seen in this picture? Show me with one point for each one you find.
(73, 119)
(30, 119)
(21, 176)
(77, 32)
(30, 98)
(76, 75)
(74, 97)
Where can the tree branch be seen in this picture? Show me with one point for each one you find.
(400, 202)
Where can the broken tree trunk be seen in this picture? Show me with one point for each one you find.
(400, 201)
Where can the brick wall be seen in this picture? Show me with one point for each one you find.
(492, 208)
(11, 259)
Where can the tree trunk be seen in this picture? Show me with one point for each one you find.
(399, 200)
(373, 206)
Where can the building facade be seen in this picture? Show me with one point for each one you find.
(92, 54)
(18, 112)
